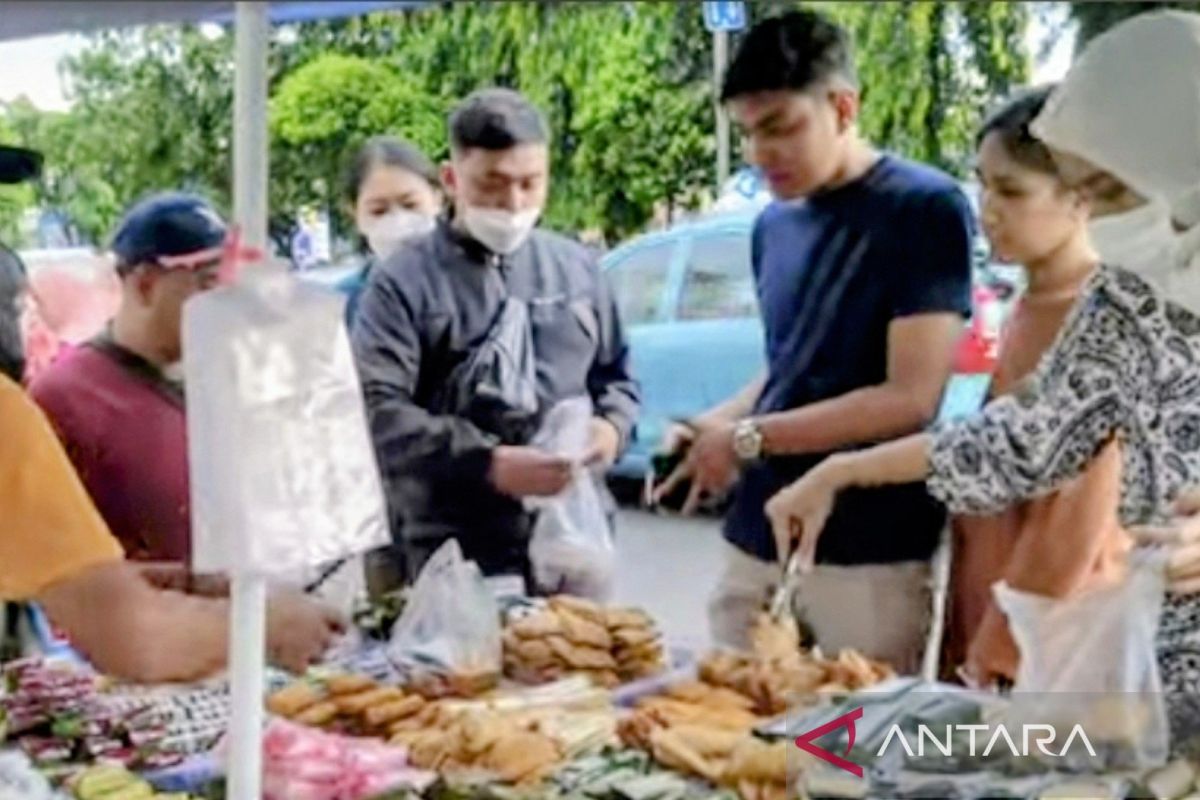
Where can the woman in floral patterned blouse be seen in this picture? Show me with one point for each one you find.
(1125, 127)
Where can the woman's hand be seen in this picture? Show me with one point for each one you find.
(799, 512)
(1182, 538)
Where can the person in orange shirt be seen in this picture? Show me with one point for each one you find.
(132, 622)
(1070, 540)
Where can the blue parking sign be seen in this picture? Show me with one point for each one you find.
(724, 15)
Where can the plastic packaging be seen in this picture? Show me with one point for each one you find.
(572, 548)
(449, 633)
(283, 472)
(1090, 660)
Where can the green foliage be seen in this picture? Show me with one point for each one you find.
(326, 108)
(626, 86)
(13, 199)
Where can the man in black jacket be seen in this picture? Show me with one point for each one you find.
(431, 305)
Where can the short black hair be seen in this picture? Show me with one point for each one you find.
(1012, 121)
(387, 151)
(496, 119)
(795, 51)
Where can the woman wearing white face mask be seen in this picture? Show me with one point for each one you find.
(394, 194)
(1125, 127)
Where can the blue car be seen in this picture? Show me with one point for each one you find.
(687, 299)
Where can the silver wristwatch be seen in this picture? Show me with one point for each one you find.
(747, 440)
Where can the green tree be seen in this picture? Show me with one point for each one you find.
(74, 179)
(324, 109)
(930, 70)
(14, 199)
(627, 88)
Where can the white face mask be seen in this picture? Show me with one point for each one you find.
(385, 234)
(1144, 241)
(1141, 240)
(173, 372)
(498, 230)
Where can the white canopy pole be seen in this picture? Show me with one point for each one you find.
(250, 146)
(247, 631)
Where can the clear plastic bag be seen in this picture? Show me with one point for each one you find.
(448, 638)
(1091, 660)
(572, 549)
(283, 471)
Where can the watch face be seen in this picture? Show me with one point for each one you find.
(747, 442)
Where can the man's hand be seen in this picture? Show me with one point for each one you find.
(299, 629)
(605, 444)
(711, 464)
(529, 472)
(714, 462)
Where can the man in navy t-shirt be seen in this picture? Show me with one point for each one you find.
(863, 272)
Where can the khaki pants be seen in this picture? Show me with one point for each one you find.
(881, 610)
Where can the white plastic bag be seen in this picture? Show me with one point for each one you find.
(572, 548)
(1091, 660)
(450, 628)
(283, 472)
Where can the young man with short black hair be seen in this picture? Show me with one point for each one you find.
(434, 302)
(863, 273)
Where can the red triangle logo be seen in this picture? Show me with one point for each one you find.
(806, 742)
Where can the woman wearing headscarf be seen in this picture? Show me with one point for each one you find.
(1125, 128)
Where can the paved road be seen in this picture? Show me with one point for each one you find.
(668, 566)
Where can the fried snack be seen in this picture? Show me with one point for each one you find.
(294, 699)
(584, 631)
(695, 749)
(574, 636)
(672, 712)
(537, 626)
(580, 607)
(384, 715)
(775, 639)
(318, 716)
(522, 757)
(357, 704)
(758, 762)
(713, 696)
(616, 618)
(534, 652)
(581, 657)
(339, 685)
(633, 638)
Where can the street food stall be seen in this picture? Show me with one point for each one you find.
(452, 690)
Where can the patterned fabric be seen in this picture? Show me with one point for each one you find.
(1125, 363)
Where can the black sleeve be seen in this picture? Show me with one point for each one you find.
(614, 390)
(388, 349)
(935, 276)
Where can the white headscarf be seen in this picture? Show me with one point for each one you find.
(1131, 106)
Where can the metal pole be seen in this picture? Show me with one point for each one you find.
(252, 37)
(720, 60)
(247, 629)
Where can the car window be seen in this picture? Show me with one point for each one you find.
(719, 283)
(638, 282)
